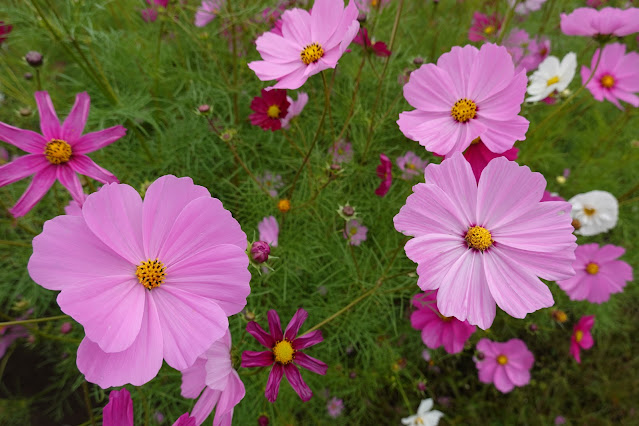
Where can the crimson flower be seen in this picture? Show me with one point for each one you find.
(378, 48)
(269, 109)
(4, 31)
(384, 172)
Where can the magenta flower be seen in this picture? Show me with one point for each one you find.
(284, 350)
(295, 108)
(148, 280)
(385, 173)
(617, 76)
(269, 230)
(213, 379)
(411, 165)
(335, 407)
(207, 12)
(342, 151)
(355, 232)
(378, 48)
(310, 43)
(269, 109)
(486, 243)
(151, 14)
(5, 30)
(505, 364)
(59, 153)
(589, 22)
(119, 409)
(581, 337)
(526, 52)
(599, 273)
(186, 420)
(470, 93)
(484, 27)
(478, 156)
(438, 330)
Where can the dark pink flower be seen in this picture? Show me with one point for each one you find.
(284, 351)
(505, 364)
(4, 31)
(269, 109)
(581, 337)
(151, 14)
(484, 27)
(478, 155)
(385, 173)
(260, 251)
(185, 420)
(379, 48)
(119, 409)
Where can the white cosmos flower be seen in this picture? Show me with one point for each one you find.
(550, 76)
(596, 211)
(424, 416)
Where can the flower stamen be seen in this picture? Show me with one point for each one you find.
(283, 352)
(589, 211)
(58, 151)
(464, 110)
(579, 335)
(479, 238)
(502, 359)
(552, 81)
(592, 268)
(151, 273)
(312, 53)
(607, 81)
(273, 111)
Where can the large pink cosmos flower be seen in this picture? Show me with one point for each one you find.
(284, 350)
(214, 378)
(589, 22)
(485, 243)
(148, 280)
(309, 43)
(599, 273)
(438, 330)
(505, 364)
(59, 153)
(581, 337)
(469, 93)
(617, 76)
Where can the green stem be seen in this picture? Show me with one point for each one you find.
(158, 52)
(351, 110)
(38, 81)
(509, 17)
(33, 320)
(87, 401)
(14, 243)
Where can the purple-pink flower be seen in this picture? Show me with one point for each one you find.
(148, 280)
(310, 43)
(335, 406)
(470, 93)
(272, 182)
(484, 27)
(378, 48)
(355, 232)
(295, 108)
(586, 21)
(581, 337)
(11, 333)
(342, 151)
(58, 153)
(284, 351)
(598, 273)
(385, 173)
(411, 165)
(505, 364)
(207, 11)
(438, 330)
(151, 14)
(526, 52)
(270, 109)
(485, 243)
(119, 409)
(269, 230)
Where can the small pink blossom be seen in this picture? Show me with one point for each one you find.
(335, 407)
(295, 108)
(151, 14)
(586, 21)
(581, 337)
(411, 165)
(526, 6)
(269, 230)
(484, 27)
(342, 151)
(207, 11)
(367, 5)
(271, 182)
(527, 52)
(355, 232)
(385, 173)
(378, 48)
(505, 364)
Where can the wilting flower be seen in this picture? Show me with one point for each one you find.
(484, 27)
(586, 21)
(335, 407)
(526, 6)
(438, 330)
(505, 364)
(581, 337)
(385, 173)
(378, 48)
(151, 14)
(486, 243)
(214, 380)
(594, 212)
(310, 43)
(411, 165)
(271, 182)
(355, 232)
(59, 153)
(342, 151)
(599, 273)
(425, 416)
(269, 230)
(284, 350)
(207, 12)
(119, 409)
(4, 31)
(478, 156)
(526, 52)
(269, 109)
(295, 108)
(148, 280)
(470, 93)
(617, 76)
(367, 5)
(552, 76)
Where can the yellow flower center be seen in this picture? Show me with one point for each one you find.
(283, 352)
(284, 205)
(411, 166)
(579, 335)
(340, 151)
(464, 110)
(479, 238)
(592, 268)
(419, 421)
(445, 319)
(273, 111)
(560, 316)
(312, 53)
(150, 273)
(489, 29)
(353, 231)
(589, 211)
(502, 360)
(552, 81)
(607, 81)
(58, 151)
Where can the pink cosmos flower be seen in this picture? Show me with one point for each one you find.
(272, 182)
(119, 409)
(411, 165)
(148, 280)
(385, 173)
(367, 5)
(11, 333)
(599, 273)
(486, 243)
(4, 31)
(295, 108)
(185, 420)
(342, 151)
(438, 330)
(484, 27)
(151, 14)
(505, 364)
(378, 48)
(284, 350)
(526, 52)
(526, 6)
(581, 337)
(478, 156)
(617, 76)
(207, 12)
(214, 380)
(59, 153)
(269, 230)
(470, 93)
(355, 232)
(589, 22)
(335, 407)
(310, 42)
(270, 109)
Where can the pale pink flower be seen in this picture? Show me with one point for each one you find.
(355, 232)
(295, 108)
(484, 27)
(586, 21)
(598, 273)
(505, 364)
(269, 230)
(342, 151)
(485, 243)
(207, 12)
(271, 182)
(526, 52)
(470, 93)
(148, 280)
(581, 337)
(310, 43)
(411, 165)
(335, 407)
(526, 6)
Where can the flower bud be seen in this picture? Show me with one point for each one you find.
(65, 328)
(263, 420)
(533, 327)
(480, 356)
(203, 109)
(284, 205)
(260, 251)
(418, 60)
(361, 17)
(34, 58)
(28, 76)
(348, 210)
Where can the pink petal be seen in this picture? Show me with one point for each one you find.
(274, 325)
(295, 379)
(257, 359)
(231, 396)
(549, 266)
(49, 123)
(71, 182)
(501, 380)
(26, 140)
(310, 363)
(38, 187)
(85, 166)
(517, 376)
(609, 252)
(587, 341)
(193, 379)
(501, 135)
(119, 410)
(487, 370)
(296, 25)
(218, 365)
(458, 64)
(434, 254)
(295, 323)
(325, 19)
(96, 140)
(483, 84)
(205, 404)
(308, 340)
(273, 382)
(575, 351)
(185, 420)
(260, 335)
(22, 167)
(73, 125)
(431, 88)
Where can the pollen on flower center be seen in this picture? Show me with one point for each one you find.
(552, 81)
(475, 141)
(312, 53)
(579, 335)
(411, 166)
(283, 351)
(479, 238)
(589, 211)
(607, 81)
(502, 359)
(150, 273)
(58, 151)
(464, 110)
(273, 111)
(592, 268)
(489, 29)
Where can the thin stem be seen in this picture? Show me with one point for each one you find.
(158, 52)
(14, 243)
(509, 16)
(236, 113)
(33, 320)
(38, 81)
(351, 110)
(87, 401)
(354, 260)
(245, 167)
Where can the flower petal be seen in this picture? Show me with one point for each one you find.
(295, 323)
(295, 379)
(434, 254)
(38, 187)
(96, 140)
(22, 167)
(256, 359)
(231, 396)
(205, 404)
(307, 340)
(274, 326)
(73, 125)
(273, 382)
(119, 410)
(71, 182)
(193, 379)
(87, 167)
(260, 335)
(310, 363)
(26, 140)
(49, 123)
(501, 380)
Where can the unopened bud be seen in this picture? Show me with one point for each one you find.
(28, 76)
(260, 251)
(348, 211)
(480, 356)
(263, 420)
(203, 109)
(65, 328)
(34, 59)
(418, 61)
(533, 327)
(361, 17)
